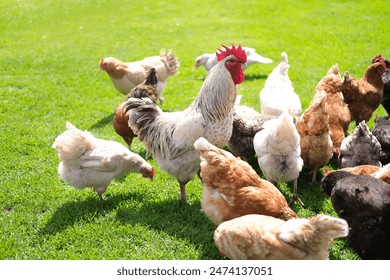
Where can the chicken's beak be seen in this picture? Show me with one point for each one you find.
(195, 67)
(101, 65)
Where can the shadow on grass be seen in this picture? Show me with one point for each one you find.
(103, 122)
(183, 221)
(70, 213)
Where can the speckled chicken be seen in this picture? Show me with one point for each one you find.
(259, 237)
(127, 75)
(337, 109)
(231, 188)
(246, 123)
(278, 94)
(87, 161)
(278, 151)
(364, 202)
(315, 137)
(364, 95)
(360, 147)
(121, 118)
(381, 131)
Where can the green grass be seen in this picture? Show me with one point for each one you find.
(50, 52)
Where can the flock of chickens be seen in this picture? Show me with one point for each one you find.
(253, 218)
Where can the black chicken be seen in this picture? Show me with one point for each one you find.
(381, 131)
(364, 202)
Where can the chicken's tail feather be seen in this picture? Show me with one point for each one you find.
(330, 226)
(170, 61)
(284, 57)
(142, 114)
(203, 145)
(72, 143)
(151, 79)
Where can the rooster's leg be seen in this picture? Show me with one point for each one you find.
(183, 197)
(295, 196)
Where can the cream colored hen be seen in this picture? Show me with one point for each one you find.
(278, 94)
(267, 238)
(231, 188)
(279, 152)
(86, 161)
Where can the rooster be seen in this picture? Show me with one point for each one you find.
(170, 136)
(208, 60)
(231, 188)
(127, 75)
(278, 151)
(278, 93)
(364, 95)
(259, 237)
(86, 161)
(121, 118)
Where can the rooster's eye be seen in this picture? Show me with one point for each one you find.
(230, 61)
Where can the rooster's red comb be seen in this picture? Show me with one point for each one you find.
(239, 53)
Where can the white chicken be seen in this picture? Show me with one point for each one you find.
(260, 237)
(208, 60)
(278, 151)
(127, 75)
(278, 93)
(170, 136)
(86, 161)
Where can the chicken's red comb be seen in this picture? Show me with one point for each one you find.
(376, 58)
(326, 171)
(239, 53)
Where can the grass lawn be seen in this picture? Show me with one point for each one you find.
(50, 51)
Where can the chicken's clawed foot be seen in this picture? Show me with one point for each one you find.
(294, 198)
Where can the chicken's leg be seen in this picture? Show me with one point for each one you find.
(295, 196)
(314, 176)
(183, 197)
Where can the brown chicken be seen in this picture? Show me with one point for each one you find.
(382, 173)
(121, 117)
(365, 95)
(259, 237)
(127, 75)
(231, 188)
(313, 128)
(337, 109)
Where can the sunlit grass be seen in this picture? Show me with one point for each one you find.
(50, 52)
